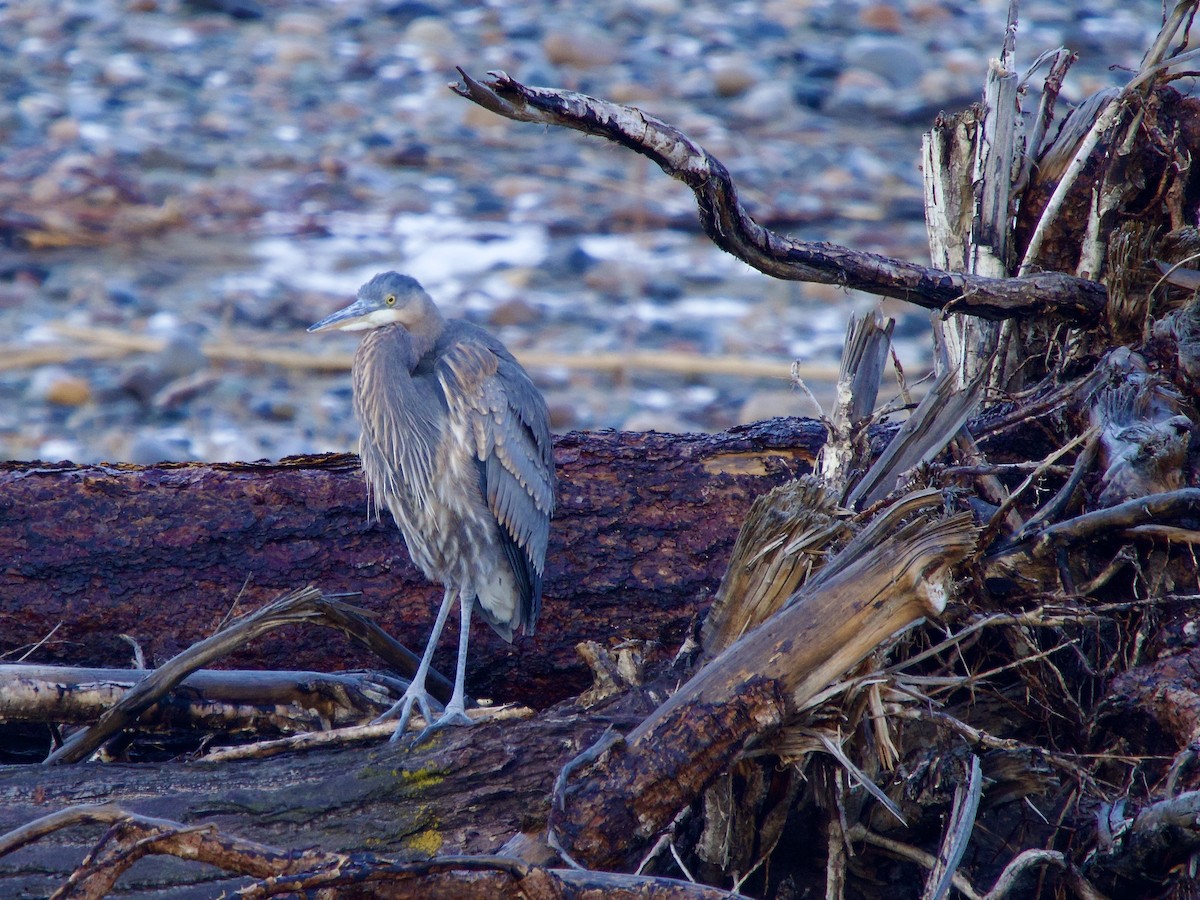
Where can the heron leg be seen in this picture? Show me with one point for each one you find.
(416, 693)
(455, 712)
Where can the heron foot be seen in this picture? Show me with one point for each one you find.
(402, 710)
(453, 716)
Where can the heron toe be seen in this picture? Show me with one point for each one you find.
(402, 709)
(448, 718)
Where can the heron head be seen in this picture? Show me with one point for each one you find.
(388, 298)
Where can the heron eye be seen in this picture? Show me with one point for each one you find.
(390, 299)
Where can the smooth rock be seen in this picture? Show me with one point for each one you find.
(895, 59)
(881, 17)
(733, 75)
(513, 312)
(124, 69)
(432, 34)
(580, 48)
(55, 385)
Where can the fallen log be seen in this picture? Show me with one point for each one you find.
(166, 553)
(132, 837)
(260, 702)
(468, 791)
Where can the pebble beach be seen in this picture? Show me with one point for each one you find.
(185, 186)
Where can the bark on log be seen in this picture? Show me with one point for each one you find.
(1164, 696)
(467, 791)
(644, 527)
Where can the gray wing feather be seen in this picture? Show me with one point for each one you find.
(491, 397)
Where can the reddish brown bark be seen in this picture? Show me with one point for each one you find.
(1165, 692)
(644, 527)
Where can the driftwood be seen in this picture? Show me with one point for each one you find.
(890, 577)
(468, 792)
(811, 740)
(94, 342)
(305, 606)
(165, 554)
(260, 702)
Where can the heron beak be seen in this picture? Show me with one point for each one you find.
(343, 318)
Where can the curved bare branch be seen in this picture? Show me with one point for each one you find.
(1047, 294)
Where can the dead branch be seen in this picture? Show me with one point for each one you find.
(1172, 506)
(224, 701)
(1044, 295)
(482, 878)
(307, 605)
(372, 732)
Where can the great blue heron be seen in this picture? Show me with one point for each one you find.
(456, 443)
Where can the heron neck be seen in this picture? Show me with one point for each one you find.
(411, 344)
(425, 332)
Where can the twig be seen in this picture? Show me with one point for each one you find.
(915, 854)
(609, 738)
(29, 651)
(834, 749)
(974, 736)
(101, 813)
(1022, 862)
(996, 522)
(1062, 499)
(1063, 59)
(349, 735)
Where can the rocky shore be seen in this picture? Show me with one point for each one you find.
(182, 176)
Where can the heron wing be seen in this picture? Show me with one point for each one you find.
(491, 399)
